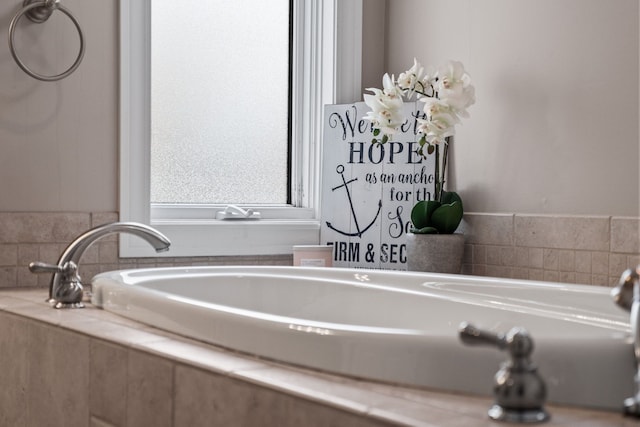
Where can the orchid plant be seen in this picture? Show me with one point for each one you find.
(446, 93)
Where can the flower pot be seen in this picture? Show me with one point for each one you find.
(435, 253)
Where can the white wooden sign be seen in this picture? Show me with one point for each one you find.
(368, 189)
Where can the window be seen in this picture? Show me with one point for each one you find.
(220, 102)
(321, 67)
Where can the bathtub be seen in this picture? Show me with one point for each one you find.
(396, 327)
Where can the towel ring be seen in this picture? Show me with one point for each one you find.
(38, 12)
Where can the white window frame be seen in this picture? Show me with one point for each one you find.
(329, 48)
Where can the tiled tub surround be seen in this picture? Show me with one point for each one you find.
(567, 249)
(92, 368)
(570, 249)
(42, 236)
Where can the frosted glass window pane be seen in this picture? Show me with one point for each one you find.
(219, 101)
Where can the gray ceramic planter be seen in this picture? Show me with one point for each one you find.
(435, 253)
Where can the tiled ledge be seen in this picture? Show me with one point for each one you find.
(113, 372)
(570, 249)
(42, 236)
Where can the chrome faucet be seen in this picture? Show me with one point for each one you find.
(519, 390)
(65, 288)
(627, 295)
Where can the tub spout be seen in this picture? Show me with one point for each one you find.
(627, 295)
(65, 288)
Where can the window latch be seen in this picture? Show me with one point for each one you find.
(236, 212)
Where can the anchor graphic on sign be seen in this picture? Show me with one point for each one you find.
(359, 232)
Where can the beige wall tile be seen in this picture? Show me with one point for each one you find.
(536, 274)
(567, 260)
(467, 256)
(583, 278)
(489, 229)
(567, 277)
(28, 253)
(561, 232)
(479, 269)
(507, 256)
(520, 273)
(50, 252)
(58, 377)
(550, 259)
(15, 368)
(600, 263)
(491, 241)
(625, 235)
(600, 280)
(42, 227)
(499, 271)
(479, 254)
(149, 391)
(8, 277)
(522, 257)
(493, 255)
(25, 278)
(618, 264)
(536, 258)
(206, 399)
(101, 218)
(91, 255)
(633, 260)
(583, 261)
(108, 252)
(8, 255)
(108, 391)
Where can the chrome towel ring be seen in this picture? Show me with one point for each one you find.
(38, 12)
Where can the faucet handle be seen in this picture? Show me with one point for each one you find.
(519, 390)
(517, 341)
(38, 267)
(43, 267)
(471, 335)
(622, 294)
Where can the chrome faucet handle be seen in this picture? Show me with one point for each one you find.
(43, 267)
(68, 296)
(627, 295)
(519, 391)
(69, 269)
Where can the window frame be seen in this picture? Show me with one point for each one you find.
(327, 70)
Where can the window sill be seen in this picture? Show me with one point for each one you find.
(192, 238)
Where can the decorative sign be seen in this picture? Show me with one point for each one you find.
(368, 189)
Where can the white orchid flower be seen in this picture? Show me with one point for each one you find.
(386, 106)
(408, 80)
(454, 87)
(447, 93)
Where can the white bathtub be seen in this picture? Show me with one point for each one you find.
(389, 326)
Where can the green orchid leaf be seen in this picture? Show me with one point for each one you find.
(424, 230)
(430, 149)
(447, 217)
(449, 197)
(376, 132)
(422, 211)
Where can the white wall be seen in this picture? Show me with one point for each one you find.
(59, 141)
(555, 127)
